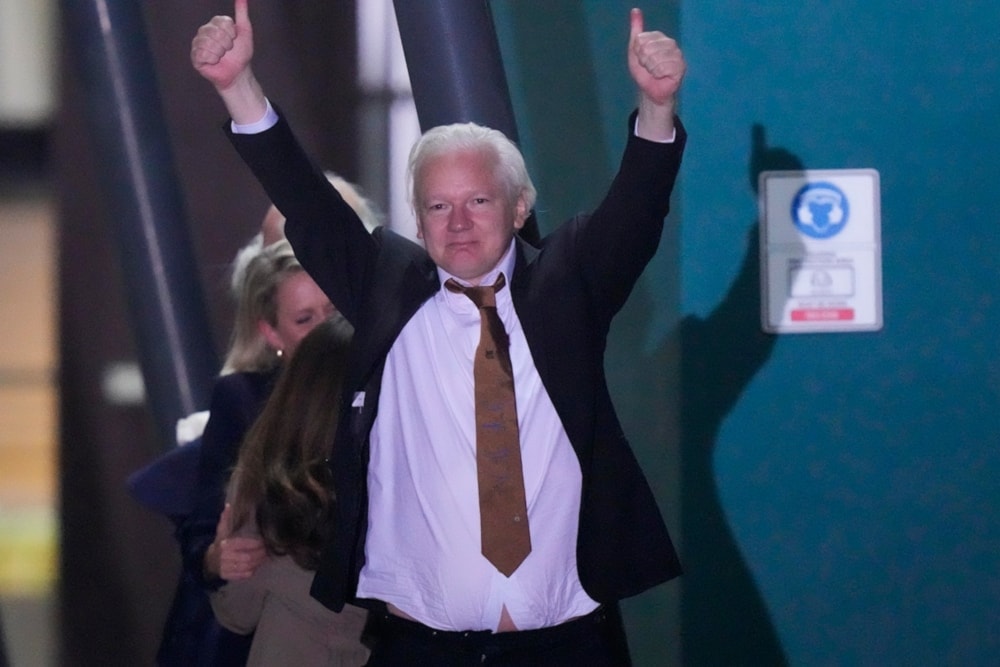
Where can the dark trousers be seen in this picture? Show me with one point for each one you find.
(594, 640)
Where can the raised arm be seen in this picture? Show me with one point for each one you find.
(620, 237)
(222, 51)
(657, 66)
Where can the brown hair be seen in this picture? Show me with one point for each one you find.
(282, 479)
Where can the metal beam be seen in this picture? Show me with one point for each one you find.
(456, 71)
(117, 74)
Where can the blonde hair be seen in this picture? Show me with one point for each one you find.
(238, 269)
(259, 268)
(355, 198)
(257, 299)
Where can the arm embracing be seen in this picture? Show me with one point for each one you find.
(238, 605)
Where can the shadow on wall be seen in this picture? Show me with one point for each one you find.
(723, 618)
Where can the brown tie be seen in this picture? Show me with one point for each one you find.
(503, 513)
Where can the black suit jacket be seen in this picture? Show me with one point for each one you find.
(237, 401)
(565, 292)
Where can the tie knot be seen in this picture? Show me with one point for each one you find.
(484, 296)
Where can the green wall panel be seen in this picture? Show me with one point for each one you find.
(857, 471)
(833, 495)
(566, 65)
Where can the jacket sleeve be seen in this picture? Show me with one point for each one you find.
(616, 242)
(328, 238)
(234, 406)
(238, 605)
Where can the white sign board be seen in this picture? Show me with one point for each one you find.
(821, 256)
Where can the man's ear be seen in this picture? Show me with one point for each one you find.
(419, 221)
(521, 212)
(271, 335)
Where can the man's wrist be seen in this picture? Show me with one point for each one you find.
(245, 100)
(266, 122)
(655, 122)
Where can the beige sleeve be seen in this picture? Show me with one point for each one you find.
(238, 604)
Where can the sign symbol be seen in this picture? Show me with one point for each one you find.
(820, 210)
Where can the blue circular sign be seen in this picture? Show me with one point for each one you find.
(820, 210)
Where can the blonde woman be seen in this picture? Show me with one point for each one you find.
(277, 305)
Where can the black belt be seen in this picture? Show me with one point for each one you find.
(469, 640)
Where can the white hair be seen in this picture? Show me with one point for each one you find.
(444, 139)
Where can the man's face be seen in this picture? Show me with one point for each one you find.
(464, 215)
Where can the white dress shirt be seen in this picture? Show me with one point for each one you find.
(423, 543)
(423, 552)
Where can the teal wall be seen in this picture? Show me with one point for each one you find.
(859, 471)
(572, 94)
(833, 495)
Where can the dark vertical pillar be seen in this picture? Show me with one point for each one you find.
(115, 70)
(119, 562)
(456, 72)
(453, 58)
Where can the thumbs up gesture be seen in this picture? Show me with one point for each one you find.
(655, 62)
(221, 51)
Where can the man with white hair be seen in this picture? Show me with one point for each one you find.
(415, 539)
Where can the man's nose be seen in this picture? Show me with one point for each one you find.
(459, 219)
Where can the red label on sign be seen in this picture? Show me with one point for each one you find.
(823, 315)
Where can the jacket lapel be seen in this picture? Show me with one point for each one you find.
(404, 277)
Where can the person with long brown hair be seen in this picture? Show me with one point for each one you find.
(281, 493)
(277, 304)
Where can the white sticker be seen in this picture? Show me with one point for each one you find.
(821, 256)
